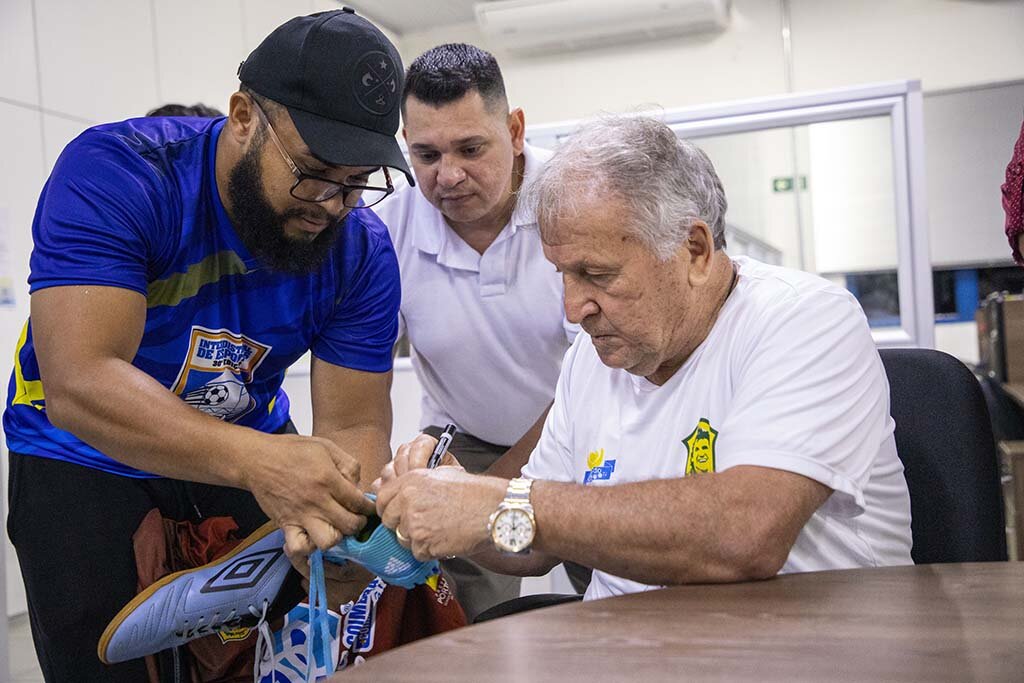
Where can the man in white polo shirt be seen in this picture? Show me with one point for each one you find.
(481, 306)
(719, 420)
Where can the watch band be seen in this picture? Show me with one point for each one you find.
(518, 491)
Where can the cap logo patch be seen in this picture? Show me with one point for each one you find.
(376, 87)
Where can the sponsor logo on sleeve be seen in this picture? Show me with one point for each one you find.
(598, 469)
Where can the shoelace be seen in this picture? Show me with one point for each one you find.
(318, 646)
(216, 623)
(264, 644)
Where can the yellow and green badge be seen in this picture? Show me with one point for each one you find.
(700, 448)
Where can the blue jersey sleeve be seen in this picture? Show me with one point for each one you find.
(363, 329)
(100, 220)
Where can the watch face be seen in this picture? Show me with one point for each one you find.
(513, 530)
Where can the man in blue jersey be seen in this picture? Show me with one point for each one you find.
(180, 266)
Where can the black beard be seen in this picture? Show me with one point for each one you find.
(261, 229)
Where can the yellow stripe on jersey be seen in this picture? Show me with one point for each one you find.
(173, 290)
(26, 392)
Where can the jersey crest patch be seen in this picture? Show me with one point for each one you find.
(599, 469)
(700, 448)
(218, 366)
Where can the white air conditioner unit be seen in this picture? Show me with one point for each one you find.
(527, 26)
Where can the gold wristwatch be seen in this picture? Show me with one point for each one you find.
(512, 526)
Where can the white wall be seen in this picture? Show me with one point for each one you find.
(405, 400)
(741, 63)
(968, 138)
(946, 43)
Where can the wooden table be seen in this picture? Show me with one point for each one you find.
(952, 622)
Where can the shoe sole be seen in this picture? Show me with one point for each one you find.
(115, 623)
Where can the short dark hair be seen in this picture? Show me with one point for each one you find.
(445, 73)
(197, 109)
(272, 108)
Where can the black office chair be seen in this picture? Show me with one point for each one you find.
(525, 604)
(1007, 415)
(944, 438)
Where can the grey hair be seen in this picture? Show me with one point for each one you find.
(666, 182)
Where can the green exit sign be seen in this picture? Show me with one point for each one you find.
(785, 183)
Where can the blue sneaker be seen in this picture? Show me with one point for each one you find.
(234, 591)
(377, 549)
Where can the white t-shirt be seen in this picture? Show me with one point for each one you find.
(788, 378)
(488, 331)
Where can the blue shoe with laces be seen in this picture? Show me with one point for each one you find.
(377, 549)
(233, 591)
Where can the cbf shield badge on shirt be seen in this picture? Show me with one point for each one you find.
(217, 368)
(700, 448)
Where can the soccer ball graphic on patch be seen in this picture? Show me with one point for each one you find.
(215, 395)
(224, 397)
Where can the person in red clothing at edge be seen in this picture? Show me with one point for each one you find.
(1013, 198)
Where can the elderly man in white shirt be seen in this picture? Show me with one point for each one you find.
(719, 420)
(481, 306)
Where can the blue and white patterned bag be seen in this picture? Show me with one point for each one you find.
(287, 661)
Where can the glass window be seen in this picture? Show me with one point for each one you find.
(820, 198)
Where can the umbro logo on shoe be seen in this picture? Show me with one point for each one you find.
(244, 572)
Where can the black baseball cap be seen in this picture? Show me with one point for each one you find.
(341, 80)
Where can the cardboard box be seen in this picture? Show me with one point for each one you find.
(1001, 336)
(1013, 338)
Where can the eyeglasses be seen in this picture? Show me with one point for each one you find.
(311, 188)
